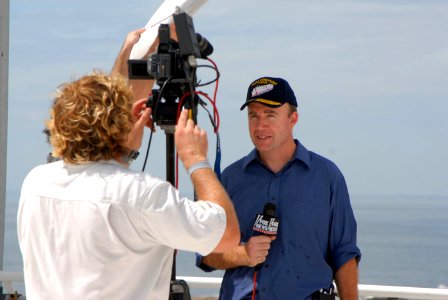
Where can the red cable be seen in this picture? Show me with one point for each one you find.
(215, 109)
(255, 285)
(216, 86)
(215, 116)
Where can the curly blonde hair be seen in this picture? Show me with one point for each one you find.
(91, 118)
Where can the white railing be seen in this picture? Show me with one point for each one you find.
(364, 290)
(7, 278)
(213, 283)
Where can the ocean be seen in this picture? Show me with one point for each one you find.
(403, 240)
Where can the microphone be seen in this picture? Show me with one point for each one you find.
(267, 223)
(204, 46)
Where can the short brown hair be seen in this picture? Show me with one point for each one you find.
(292, 108)
(91, 118)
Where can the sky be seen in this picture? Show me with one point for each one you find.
(370, 78)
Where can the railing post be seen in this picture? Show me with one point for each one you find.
(4, 64)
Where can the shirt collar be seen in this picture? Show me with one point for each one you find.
(301, 154)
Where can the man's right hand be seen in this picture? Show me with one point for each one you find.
(257, 249)
(191, 141)
(133, 37)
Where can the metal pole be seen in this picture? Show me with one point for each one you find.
(171, 177)
(4, 62)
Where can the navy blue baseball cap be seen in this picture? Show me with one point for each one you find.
(271, 92)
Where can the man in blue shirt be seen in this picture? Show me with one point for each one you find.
(316, 240)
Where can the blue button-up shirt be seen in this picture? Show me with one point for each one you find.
(317, 230)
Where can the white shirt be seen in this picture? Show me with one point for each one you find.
(102, 231)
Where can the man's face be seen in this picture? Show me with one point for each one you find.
(270, 128)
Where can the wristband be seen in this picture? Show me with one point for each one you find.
(199, 165)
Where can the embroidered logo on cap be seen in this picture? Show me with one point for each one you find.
(262, 89)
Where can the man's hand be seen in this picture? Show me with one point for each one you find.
(121, 62)
(133, 37)
(142, 118)
(257, 249)
(191, 141)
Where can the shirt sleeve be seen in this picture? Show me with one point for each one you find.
(182, 224)
(201, 265)
(343, 227)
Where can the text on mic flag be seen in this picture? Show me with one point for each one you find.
(266, 225)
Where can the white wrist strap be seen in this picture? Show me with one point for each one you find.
(200, 165)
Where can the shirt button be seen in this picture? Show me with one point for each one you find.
(266, 266)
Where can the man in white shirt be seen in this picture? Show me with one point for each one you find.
(91, 228)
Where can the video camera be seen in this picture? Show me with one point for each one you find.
(173, 67)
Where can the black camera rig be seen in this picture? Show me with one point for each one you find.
(173, 67)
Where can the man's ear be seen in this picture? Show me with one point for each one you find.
(293, 118)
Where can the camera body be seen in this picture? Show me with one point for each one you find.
(173, 67)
